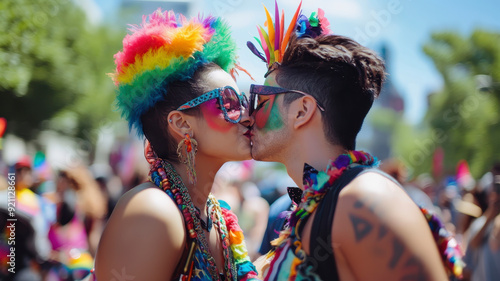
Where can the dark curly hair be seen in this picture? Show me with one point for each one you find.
(341, 74)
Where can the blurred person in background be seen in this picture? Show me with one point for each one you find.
(3, 183)
(275, 222)
(471, 204)
(483, 249)
(463, 187)
(80, 200)
(110, 185)
(251, 209)
(273, 182)
(32, 248)
(279, 181)
(351, 222)
(174, 87)
(447, 196)
(80, 214)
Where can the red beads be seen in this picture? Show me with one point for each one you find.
(174, 189)
(187, 142)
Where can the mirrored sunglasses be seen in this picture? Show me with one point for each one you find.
(231, 103)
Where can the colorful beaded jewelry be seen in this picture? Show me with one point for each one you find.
(186, 151)
(316, 185)
(237, 265)
(450, 250)
(165, 177)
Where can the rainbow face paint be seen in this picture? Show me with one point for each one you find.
(214, 116)
(268, 117)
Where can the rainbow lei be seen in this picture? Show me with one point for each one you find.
(237, 263)
(316, 185)
(275, 41)
(450, 250)
(245, 268)
(167, 47)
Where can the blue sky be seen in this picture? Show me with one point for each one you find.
(405, 25)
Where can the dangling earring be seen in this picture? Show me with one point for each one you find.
(189, 146)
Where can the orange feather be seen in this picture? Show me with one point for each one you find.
(270, 27)
(290, 29)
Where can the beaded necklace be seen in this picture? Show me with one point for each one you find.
(316, 185)
(164, 176)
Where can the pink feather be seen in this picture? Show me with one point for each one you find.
(323, 21)
(264, 45)
(276, 27)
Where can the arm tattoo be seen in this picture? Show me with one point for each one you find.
(358, 204)
(382, 232)
(361, 227)
(398, 249)
(413, 268)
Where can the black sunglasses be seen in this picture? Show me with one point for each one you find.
(270, 90)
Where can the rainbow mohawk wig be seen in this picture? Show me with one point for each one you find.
(166, 48)
(275, 40)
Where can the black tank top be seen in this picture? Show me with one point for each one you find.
(321, 255)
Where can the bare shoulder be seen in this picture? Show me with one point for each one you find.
(381, 232)
(145, 198)
(143, 235)
(145, 204)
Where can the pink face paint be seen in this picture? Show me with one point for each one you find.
(214, 116)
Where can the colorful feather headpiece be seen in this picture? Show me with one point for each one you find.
(275, 41)
(167, 47)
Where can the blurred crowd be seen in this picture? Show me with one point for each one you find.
(61, 213)
(469, 209)
(58, 215)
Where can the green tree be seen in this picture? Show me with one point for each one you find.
(53, 65)
(464, 116)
